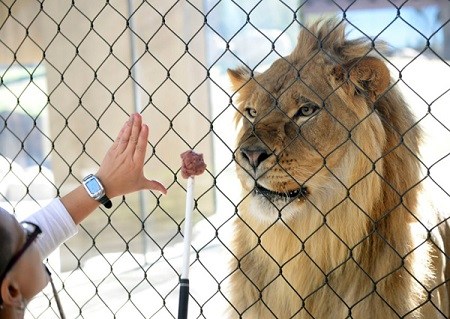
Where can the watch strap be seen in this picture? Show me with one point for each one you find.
(105, 201)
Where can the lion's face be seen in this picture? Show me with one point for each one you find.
(295, 142)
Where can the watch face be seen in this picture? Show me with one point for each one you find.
(94, 188)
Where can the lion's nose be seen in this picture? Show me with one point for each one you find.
(254, 156)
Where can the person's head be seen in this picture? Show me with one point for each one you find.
(22, 273)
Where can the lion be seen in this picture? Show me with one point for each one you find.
(331, 222)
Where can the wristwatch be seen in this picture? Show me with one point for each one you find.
(96, 190)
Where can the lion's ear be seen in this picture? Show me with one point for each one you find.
(369, 75)
(239, 77)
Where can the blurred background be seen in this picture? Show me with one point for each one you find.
(71, 72)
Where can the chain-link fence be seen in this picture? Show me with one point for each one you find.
(71, 72)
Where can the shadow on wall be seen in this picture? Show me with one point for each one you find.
(24, 171)
(21, 139)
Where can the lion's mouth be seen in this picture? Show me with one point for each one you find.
(273, 195)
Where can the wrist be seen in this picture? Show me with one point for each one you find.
(105, 180)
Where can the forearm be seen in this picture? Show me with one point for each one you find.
(79, 204)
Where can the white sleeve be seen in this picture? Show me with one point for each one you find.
(56, 224)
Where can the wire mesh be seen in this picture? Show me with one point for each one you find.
(72, 71)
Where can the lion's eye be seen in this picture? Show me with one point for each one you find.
(307, 109)
(251, 112)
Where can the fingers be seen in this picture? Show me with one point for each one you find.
(124, 135)
(141, 145)
(136, 127)
(118, 139)
(129, 136)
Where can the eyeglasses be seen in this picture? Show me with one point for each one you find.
(32, 231)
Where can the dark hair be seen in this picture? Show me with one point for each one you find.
(6, 250)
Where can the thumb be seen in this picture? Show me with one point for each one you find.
(156, 186)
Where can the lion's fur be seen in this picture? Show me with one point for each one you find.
(356, 246)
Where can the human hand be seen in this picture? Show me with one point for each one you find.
(122, 169)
